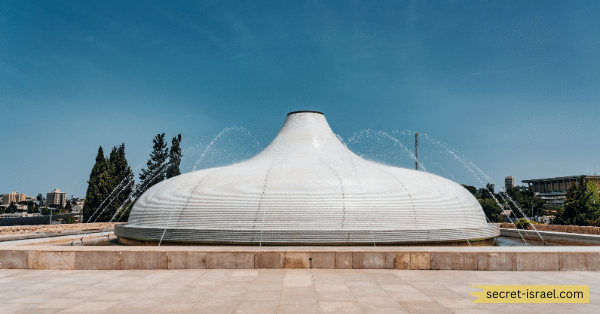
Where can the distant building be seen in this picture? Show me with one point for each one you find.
(56, 198)
(13, 197)
(77, 201)
(509, 183)
(76, 208)
(553, 190)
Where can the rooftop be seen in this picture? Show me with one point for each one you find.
(561, 178)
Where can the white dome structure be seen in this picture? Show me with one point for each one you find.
(306, 187)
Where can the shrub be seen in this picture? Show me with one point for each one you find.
(522, 223)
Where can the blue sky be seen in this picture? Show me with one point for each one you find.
(511, 86)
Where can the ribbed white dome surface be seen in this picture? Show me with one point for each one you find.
(307, 187)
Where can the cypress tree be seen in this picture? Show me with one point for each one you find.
(109, 185)
(98, 185)
(125, 175)
(121, 184)
(156, 165)
(174, 157)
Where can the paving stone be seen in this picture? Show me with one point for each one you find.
(368, 291)
(377, 301)
(332, 296)
(399, 288)
(244, 273)
(89, 307)
(364, 282)
(211, 309)
(331, 287)
(266, 285)
(472, 311)
(410, 296)
(262, 296)
(298, 308)
(384, 310)
(307, 291)
(295, 299)
(298, 291)
(424, 307)
(218, 300)
(329, 281)
(174, 307)
(454, 303)
(116, 296)
(247, 307)
(298, 279)
(339, 307)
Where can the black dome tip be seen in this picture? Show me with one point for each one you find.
(305, 111)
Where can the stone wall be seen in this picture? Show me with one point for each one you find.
(559, 228)
(10, 230)
(115, 258)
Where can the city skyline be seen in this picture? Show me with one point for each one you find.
(511, 87)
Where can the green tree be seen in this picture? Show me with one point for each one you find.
(488, 191)
(98, 185)
(491, 209)
(32, 207)
(110, 185)
(471, 189)
(12, 208)
(581, 206)
(156, 165)
(593, 202)
(526, 199)
(122, 183)
(24, 203)
(174, 158)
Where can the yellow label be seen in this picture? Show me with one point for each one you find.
(532, 294)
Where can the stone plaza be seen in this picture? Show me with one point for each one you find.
(275, 291)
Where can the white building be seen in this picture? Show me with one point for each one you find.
(13, 197)
(56, 198)
(307, 187)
